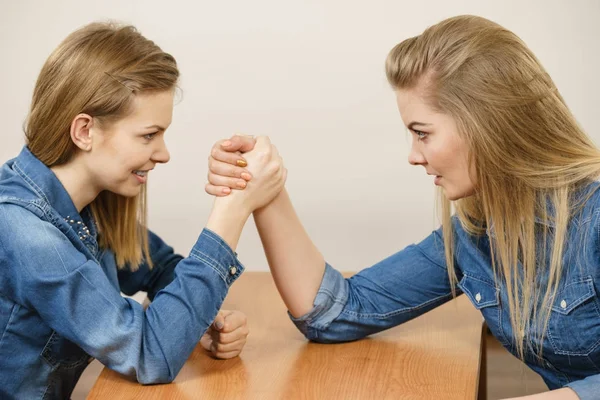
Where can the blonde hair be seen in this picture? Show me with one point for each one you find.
(98, 70)
(527, 151)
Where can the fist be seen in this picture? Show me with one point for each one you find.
(268, 176)
(227, 166)
(226, 336)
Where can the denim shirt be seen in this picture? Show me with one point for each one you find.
(415, 280)
(60, 301)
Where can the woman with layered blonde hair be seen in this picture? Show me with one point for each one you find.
(73, 231)
(519, 201)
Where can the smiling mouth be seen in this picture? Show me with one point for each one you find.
(141, 173)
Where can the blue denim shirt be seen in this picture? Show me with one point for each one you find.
(415, 280)
(60, 301)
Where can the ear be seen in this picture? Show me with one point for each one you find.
(81, 133)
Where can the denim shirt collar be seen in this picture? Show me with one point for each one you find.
(44, 183)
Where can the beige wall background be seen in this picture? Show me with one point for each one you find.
(310, 75)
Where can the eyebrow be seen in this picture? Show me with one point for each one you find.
(415, 123)
(156, 127)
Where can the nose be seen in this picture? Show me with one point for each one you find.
(161, 154)
(415, 157)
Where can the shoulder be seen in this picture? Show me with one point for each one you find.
(32, 243)
(586, 213)
(13, 188)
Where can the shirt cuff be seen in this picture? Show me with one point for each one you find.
(211, 249)
(330, 301)
(588, 388)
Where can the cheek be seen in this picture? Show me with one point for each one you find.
(115, 151)
(133, 155)
(137, 158)
(449, 157)
(121, 164)
(439, 157)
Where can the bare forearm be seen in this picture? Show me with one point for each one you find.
(559, 394)
(227, 219)
(296, 264)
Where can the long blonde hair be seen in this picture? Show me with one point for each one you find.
(528, 152)
(98, 70)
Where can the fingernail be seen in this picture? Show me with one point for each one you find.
(241, 184)
(246, 176)
(226, 190)
(226, 143)
(219, 325)
(241, 163)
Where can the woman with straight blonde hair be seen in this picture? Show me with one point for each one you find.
(520, 208)
(73, 231)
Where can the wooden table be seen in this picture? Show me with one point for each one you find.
(435, 356)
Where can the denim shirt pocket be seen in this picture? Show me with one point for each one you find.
(67, 361)
(574, 325)
(60, 353)
(485, 296)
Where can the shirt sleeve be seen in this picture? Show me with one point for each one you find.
(395, 290)
(76, 299)
(151, 280)
(588, 388)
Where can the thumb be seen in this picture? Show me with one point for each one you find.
(219, 321)
(206, 340)
(241, 143)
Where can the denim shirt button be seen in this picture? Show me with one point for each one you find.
(232, 270)
(563, 305)
(478, 297)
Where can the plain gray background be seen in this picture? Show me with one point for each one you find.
(310, 74)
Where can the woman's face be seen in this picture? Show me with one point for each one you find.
(124, 152)
(436, 145)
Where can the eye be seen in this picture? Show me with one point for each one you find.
(150, 136)
(420, 135)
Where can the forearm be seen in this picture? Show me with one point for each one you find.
(296, 264)
(559, 394)
(227, 219)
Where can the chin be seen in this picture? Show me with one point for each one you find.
(451, 197)
(131, 193)
(128, 192)
(455, 195)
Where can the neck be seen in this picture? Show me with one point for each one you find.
(75, 180)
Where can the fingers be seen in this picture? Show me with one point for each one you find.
(226, 336)
(206, 340)
(263, 143)
(222, 348)
(224, 181)
(241, 143)
(263, 140)
(234, 327)
(226, 356)
(233, 320)
(233, 158)
(224, 169)
(218, 191)
(230, 337)
(219, 321)
(225, 176)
